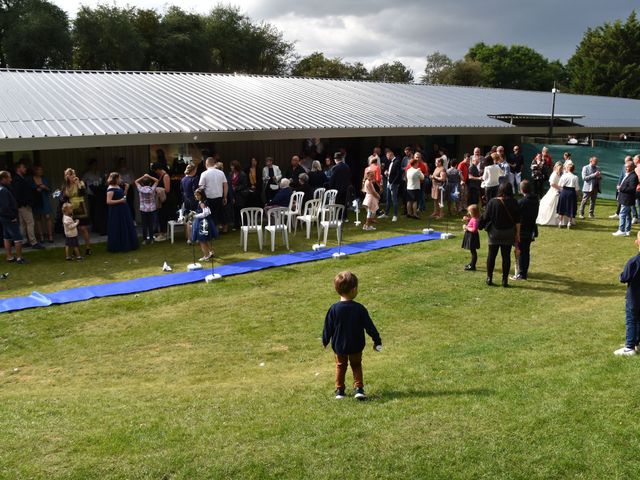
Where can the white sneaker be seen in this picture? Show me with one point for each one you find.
(394, 219)
(384, 215)
(627, 234)
(619, 233)
(625, 352)
(581, 217)
(615, 215)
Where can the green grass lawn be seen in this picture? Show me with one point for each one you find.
(230, 380)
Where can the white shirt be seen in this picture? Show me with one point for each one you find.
(568, 179)
(491, 176)
(276, 173)
(414, 175)
(213, 181)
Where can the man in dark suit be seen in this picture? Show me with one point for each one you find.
(394, 179)
(340, 180)
(528, 205)
(626, 199)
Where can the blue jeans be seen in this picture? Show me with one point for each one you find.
(633, 326)
(392, 197)
(625, 218)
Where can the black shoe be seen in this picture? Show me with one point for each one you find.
(505, 283)
(88, 252)
(360, 394)
(11, 260)
(49, 241)
(21, 261)
(340, 393)
(489, 281)
(469, 267)
(37, 246)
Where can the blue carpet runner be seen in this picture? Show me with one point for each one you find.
(37, 299)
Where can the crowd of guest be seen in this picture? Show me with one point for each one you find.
(406, 181)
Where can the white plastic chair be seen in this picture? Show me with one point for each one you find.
(318, 193)
(277, 222)
(172, 224)
(295, 209)
(310, 214)
(331, 217)
(329, 197)
(251, 221)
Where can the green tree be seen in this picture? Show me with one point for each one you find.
(182, 45)
(106, 38)
(437, 63)
(147, 24)
(607, 60)
(392, 72)
(517, 66)
(34, 34)
(238, 45)
(319, 66)
(462, 72)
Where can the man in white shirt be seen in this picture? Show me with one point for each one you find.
(215, 187)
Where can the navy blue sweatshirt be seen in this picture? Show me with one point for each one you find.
(345, 325)
(631, 276)
(8, 204)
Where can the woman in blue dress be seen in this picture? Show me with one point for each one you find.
(203, 229)
(121, 232)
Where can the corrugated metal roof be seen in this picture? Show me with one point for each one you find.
(41, 104)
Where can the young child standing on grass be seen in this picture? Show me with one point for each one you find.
(344, 325)
(203, 228)
(371, 199)
(631, 276)
(70, 232)
(471, 239)
(147, 186)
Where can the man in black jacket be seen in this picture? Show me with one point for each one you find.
(294, 171)
(528, 205)
(340, 180)
(23, 191)
(394, 179)
(9, 219)
(626, 199)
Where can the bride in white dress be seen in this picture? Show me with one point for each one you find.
(548, 205)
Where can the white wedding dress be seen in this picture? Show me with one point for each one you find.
(548, 205)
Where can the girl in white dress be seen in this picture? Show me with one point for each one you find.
(547, 214)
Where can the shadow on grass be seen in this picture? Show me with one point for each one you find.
(390, 395)
(555, 283)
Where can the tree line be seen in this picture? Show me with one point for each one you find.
(39, 34)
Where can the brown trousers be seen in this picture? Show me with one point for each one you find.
(342, 361)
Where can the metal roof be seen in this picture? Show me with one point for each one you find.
(58, 109)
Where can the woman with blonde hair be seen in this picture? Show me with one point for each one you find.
(73, 191)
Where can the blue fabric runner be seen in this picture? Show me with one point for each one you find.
(144, 284)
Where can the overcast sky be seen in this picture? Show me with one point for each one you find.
(377, 31)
